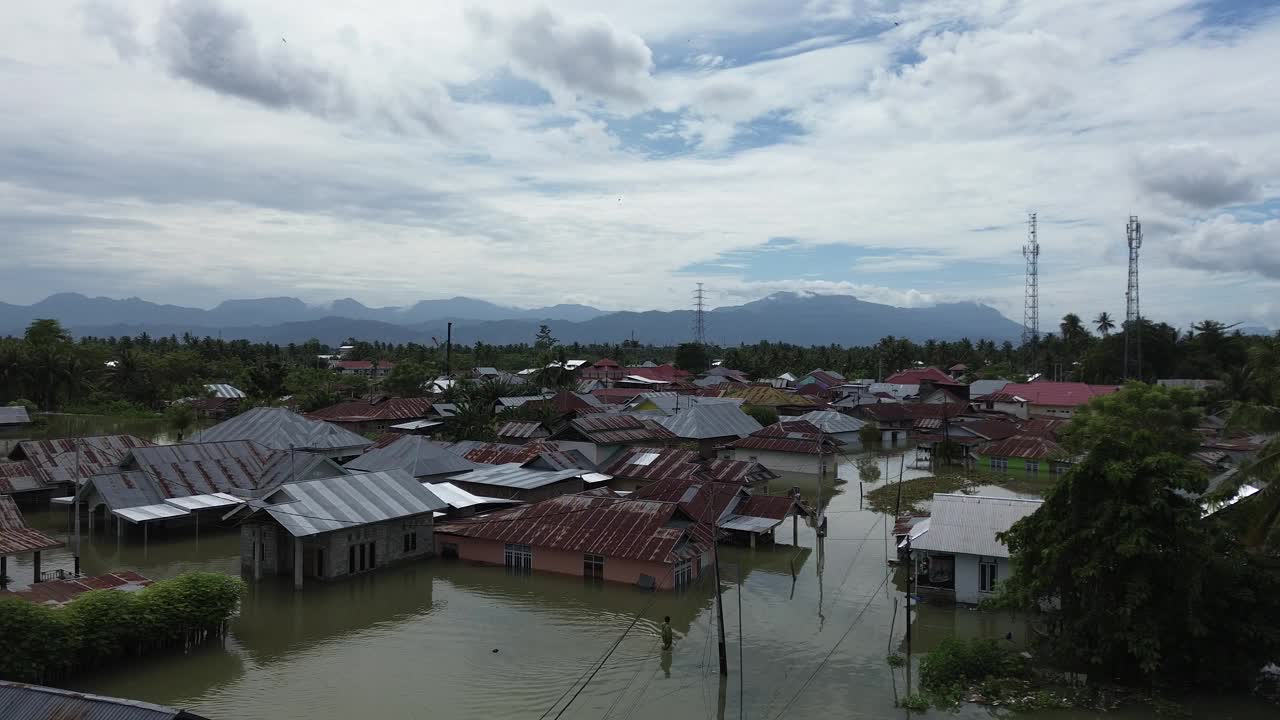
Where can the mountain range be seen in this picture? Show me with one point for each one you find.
(805, 319)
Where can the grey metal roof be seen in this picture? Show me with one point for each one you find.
(19, 701)
(225, 391)
(318, 506)
(967, 524)
(830, 421)
(414, 454)
(669, 402)
(978, 388)
(518, 400)
(14, 416)
(710, 421)
(512, 475)
(747, 523)
(280, 429)
(459, 499)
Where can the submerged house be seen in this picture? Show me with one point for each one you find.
(39, 469)
(380, 414)
(416, 455)
(338, 526)
(956, 553)
(835, 424)
(710, 425)
(514, 482)
(281, 429)
(595, 535)
(1029, 454)
(787, 446)
(13, 416)
(18, 539)
(606, 434)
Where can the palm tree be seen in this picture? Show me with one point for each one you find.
(1104, 323)
(1072, 328)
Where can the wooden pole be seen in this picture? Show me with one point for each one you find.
(297, 564)
(715, 556)
(35, 568)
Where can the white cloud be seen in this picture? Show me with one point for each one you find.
(1197, 175)
(1225, 244)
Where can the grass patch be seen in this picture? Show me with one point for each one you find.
(915, 493)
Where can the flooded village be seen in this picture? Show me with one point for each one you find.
(394, 569)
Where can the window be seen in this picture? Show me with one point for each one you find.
(373, 548)
(410, 542)
(1059, 468)
(1000, 463)
(320, 562)
(987, 575)
(519, 558)
(593, 567)
(684, 573)
(1033, 467)
(351, 559)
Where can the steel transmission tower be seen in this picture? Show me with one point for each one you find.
(699, 316)
(1133, 313)
(1031, 295)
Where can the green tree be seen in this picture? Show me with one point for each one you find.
(763, 414)
(1138, 585)
(180, 417)
(692, 357)
(408, 378)
(1104, 323)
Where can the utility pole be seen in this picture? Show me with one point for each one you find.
(715, 557)
(1133, 312)
(911, 580)
(76, 507)
(448, 350)
(822, 473)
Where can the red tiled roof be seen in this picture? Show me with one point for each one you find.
(913, 377)
(365, 411)
(613, 527)
(670, 464)
(1028, 447)
(1058, 394)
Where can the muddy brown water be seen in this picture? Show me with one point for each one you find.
(419, 640)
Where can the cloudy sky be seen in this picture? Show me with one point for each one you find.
(615, 154)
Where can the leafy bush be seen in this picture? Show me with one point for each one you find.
(869, 434)
(957, 664)
(43, 642)
(895, 660)
(763, 414)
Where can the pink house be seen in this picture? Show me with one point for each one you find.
(595, 535)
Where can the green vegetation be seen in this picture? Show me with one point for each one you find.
(895, 660)
(869, 434)
(983, 671)
(763, 414)
(1131, 582)
(692, 357)
(44, 643)
(884, 499)
(868, 469)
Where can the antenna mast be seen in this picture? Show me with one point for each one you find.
(1133, 314)
(699, 319)
(1031, 296)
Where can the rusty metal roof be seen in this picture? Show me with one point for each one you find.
(769, 396)
(913, 377)
(20, 476)
(355, 411)
(611, 429)
(522, 430)
(492, 453)
(738, 471)
(55, 460)
(653, 464)
(1028, 447)
(1058, 394)
(772, 507)
(19, 701)
(630, 529)
(16, 537)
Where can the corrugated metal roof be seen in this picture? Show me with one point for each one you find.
(415, 455)
(15, 536)
(830, 421)
(743, 523)
(54, 460)
(204, 502)
(653, 464)
(747, 472)
(1029, 447)
(514, 476)
(459, 499)
(224, 391)
(522, 430)
(417, 425)
(19, 701)
(279, 429)
(803, 446)
(1058, 394)
(612, 429)
(388, 409)
(914, 377)
(14, 415)
(318, 506)
(968, 524)
(596, 524)
(978, 388)
(770, 507)
(715, 420)
(766, 396)
(16, 477)
(147, 513)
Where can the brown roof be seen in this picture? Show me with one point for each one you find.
(18, 477)
(502, 453)
(993, 429)
(610, 429)
(913, 377)
(670, 464)
(701, 500)
(54, 460)
(1028, 447)
(380, 409)
(769, 396)
(1043, 427)
(613, 527)
(15, 536)
(737, 471)
(64, 591)
(1059, 394)
(773, 507)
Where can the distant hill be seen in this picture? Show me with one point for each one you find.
(784, 317)
(79, 311)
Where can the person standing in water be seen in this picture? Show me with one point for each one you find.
(667, 635)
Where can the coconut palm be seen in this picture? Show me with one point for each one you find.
(1104, 323)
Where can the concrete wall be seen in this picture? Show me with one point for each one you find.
(277, 547)
(1053, 411)
(779, 461)
(969, 578)
(562, 562)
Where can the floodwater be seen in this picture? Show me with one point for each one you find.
(444, 639)
(60, 426)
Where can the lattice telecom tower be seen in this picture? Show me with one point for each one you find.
(1133, 313)
(699, 319)
(1031, 296)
